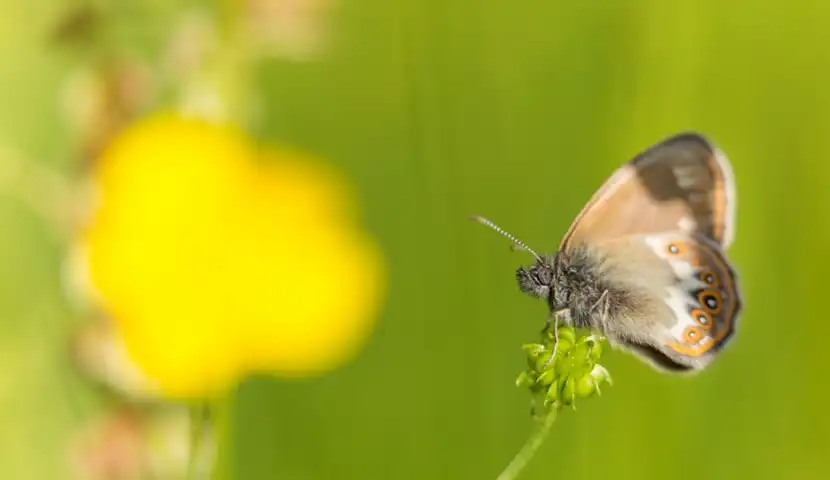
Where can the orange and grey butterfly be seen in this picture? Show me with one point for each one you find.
(659, 227)
(644, 261)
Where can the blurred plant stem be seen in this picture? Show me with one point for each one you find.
(202, 439)
(221, 90)
(46, 192)
(227, 71)
(530, 447)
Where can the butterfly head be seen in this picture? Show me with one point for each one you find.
(536, 280)
(544, 279)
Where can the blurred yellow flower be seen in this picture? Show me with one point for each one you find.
(217, 257)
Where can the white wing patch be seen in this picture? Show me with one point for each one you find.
(686, 224)
(686, 175)
(680, 302)
(670, 250)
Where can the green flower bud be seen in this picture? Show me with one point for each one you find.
(593, 339)
(533, 348)
(526, 379)
(564, 346)
(564, 333)
(545, 361)
(571, 364)
(596, 352)
(580, 352)
(586, 387)
(553, 393)
(601, 375)
(582, 369)
(547, 377)
(534, 351)
(568, 394)
(563, 366)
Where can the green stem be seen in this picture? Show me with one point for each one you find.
(222, 434)
(530, 447)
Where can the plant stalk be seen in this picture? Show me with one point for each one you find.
(521, 460)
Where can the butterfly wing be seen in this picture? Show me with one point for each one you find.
(681, 184)
(689, 294)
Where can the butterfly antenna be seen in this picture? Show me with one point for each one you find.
(513, 239)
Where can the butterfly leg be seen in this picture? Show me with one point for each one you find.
(599, 335)
(605, 310)
(555, 314)
(603, 299)
(555, 338)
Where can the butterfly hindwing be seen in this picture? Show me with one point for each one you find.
(703, 301)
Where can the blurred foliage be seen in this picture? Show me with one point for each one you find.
(513, 110)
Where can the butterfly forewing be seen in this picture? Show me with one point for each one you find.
(682, 184)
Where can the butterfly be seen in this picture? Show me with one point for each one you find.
(645, 261)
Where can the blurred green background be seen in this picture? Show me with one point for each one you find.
(439, 109)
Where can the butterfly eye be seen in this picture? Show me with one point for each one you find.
(710, 300)
(709, 277)
(692, 335)
(703, 319)
(675, 248)
(544, 273)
